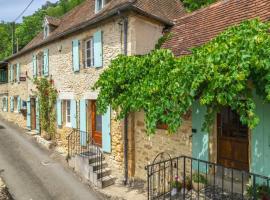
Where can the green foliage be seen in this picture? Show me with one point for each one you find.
(5, 41)
(199, 178)
(223, 72)
(163, 39)
(176, 184)
(32, 25)
(47, 96)
(192, 5)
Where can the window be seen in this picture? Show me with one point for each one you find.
(40, 68)
(100, 4)
(46, 30)
(89, 53)
(68, 119)
(4, 104)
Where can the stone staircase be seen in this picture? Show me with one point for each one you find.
(92, 168)
(87, 159)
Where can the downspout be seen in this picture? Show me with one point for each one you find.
(126, 117)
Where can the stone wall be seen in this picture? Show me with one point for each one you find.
(148, 147)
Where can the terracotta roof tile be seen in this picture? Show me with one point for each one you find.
(85, 13)
(203, 25)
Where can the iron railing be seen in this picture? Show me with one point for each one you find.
(79, 143)
(189, 178)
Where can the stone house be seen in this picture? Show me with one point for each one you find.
(73, 51)
(230, 144)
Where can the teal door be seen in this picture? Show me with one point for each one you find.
(260, 140)
(200, 139)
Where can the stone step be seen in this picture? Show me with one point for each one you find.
(95, 158)
(106, 181)
(105, 172)
(96, 166)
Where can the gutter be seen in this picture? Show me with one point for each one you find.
(125, 7)
(126, 117)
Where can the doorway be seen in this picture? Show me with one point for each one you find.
(33, 113)
(232, 141)
(96, 124)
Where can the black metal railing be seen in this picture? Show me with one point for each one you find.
(189, 178)
(79, 143)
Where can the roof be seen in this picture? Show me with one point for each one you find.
(199, 27)
(84, 15)
(53, 21)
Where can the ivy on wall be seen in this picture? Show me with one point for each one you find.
(47, 96)
(223, 72)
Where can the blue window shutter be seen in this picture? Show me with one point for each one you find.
(98, 49)
(11, 104)
(11, 73)
(34, 65)
(37, 116)
(59, 112)
(46, 63)
(76, 55)
(106, 131)
(73, 113)
(83, 127)
(28, 114)
(18, 72)
(19, 104)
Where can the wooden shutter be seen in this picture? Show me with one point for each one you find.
(106, 131)
(59, 112)
(28, 120)
(18, 72)
(76, 55)
(98, 49)
(83, 127)
(73, 113)
(11, 73)
(34, 65)
(11, 104)
(37, 116)
(200, 139)
(19, 104)
(46, 62)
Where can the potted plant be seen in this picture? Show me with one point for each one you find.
(198, 181)
(176, 186)
(259, 192)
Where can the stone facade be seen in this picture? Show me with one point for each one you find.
(148, 147)
(143, 34)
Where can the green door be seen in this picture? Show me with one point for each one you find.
(199, 138)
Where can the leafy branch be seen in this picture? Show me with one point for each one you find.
(224, 72)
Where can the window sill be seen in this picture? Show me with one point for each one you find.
(68, 125)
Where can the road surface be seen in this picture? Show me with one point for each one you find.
(33, 173)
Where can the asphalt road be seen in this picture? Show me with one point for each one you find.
(33, 173)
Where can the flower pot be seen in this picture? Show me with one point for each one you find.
(174, 192)
(197, 186)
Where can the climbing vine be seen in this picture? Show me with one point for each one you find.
(226, 71)
(47, 96)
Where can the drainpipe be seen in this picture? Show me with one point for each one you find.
(126, 117)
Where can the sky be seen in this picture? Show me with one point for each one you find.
(10, 9)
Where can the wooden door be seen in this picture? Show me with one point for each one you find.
(96, 124)
(233, 142)
(33, 113)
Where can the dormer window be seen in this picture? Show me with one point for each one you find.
(46, 31)
(100, 4)
(46, 28)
